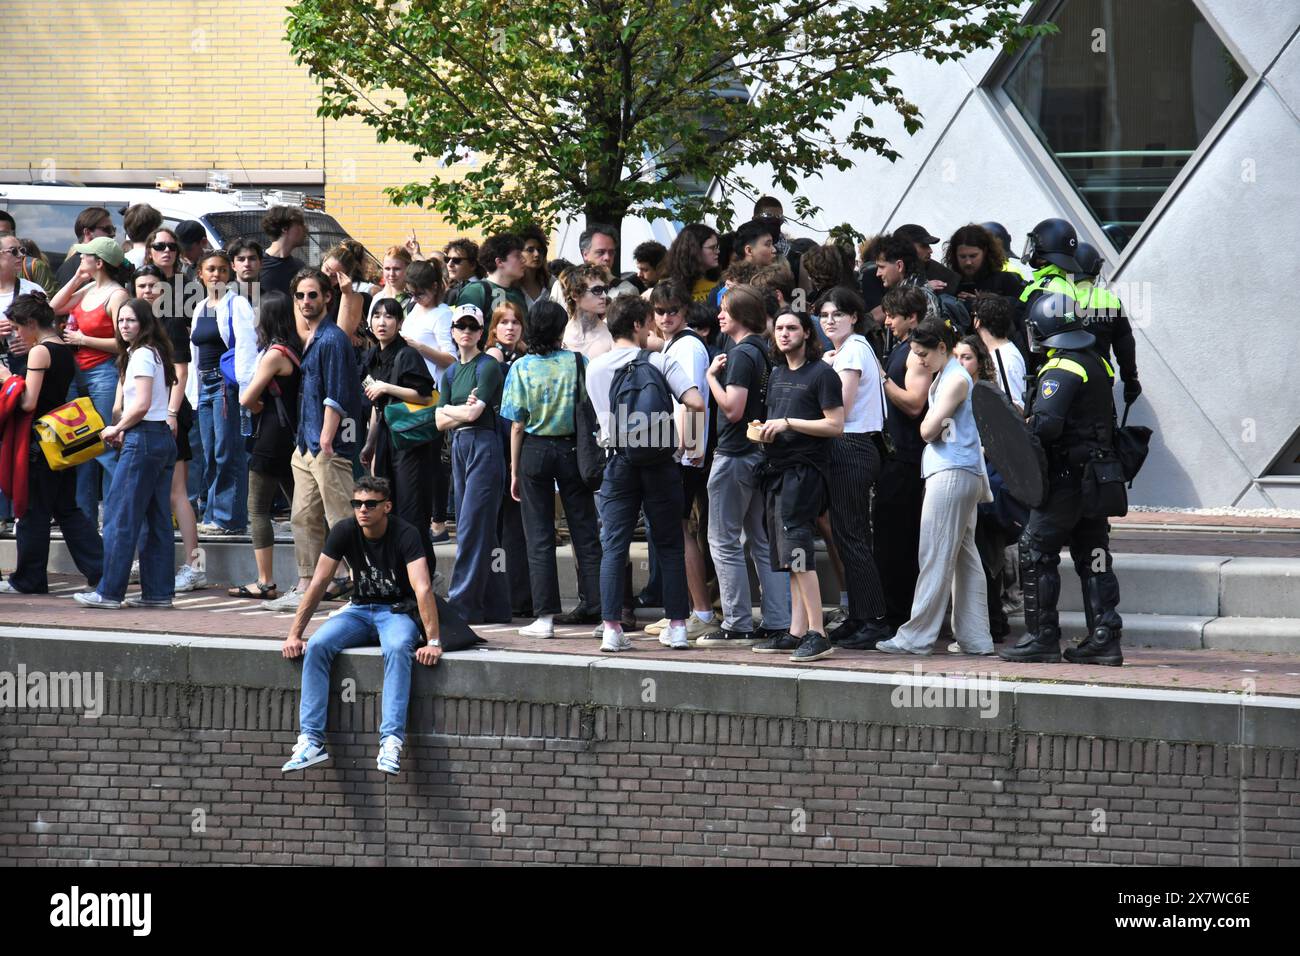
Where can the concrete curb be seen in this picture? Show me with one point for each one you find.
(901, 698)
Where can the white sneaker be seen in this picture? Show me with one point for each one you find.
(614, 641)
(657, 628)
(134, 576)
(7, 588)
(288, 601)
(189, 579)
(95, 599)
(305, 754)
(538, 628)
(390, 755)
(678, 638)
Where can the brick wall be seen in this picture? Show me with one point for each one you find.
(101, 85)
(178, 773)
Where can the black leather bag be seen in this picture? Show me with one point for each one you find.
(1132, 442)
(591, 457)
(1103, 492)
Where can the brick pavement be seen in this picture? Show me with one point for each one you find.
(211, 612)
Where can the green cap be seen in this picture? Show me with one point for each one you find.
(104, 247)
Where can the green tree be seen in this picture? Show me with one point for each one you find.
(614, 106)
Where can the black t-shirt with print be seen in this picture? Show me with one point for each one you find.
(379, 564)
(802, 393)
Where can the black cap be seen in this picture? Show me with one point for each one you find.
(914, 233)
(189, 232)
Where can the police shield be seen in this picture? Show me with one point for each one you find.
(1008, 444)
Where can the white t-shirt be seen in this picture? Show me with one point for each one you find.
(600, 376)
(867, 413)
(146, 362)
(431, 327)
(21, 287)
(135, 255)
(1013, 363)
(692, 354)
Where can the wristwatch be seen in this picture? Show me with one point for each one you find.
(435, 642)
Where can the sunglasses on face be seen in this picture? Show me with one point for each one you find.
(313, 294)
(599, 290)
(16, 252)
(467, 327)
(455, 260)
(107, 229)
(165, 247)
(677, 311)
(366, 504)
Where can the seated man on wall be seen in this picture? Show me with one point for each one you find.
(391, 579)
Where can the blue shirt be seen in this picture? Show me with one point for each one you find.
(330, 378)
(959, 445)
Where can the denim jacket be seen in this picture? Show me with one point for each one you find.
(330, 378)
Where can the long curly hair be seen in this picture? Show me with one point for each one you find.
(686, 255)
(971, 235)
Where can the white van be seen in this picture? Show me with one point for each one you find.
(46, 214)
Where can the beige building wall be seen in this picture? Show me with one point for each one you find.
(120, 92)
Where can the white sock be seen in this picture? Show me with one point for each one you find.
(844, 599)
(705, 616)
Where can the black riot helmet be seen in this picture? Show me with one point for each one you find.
(1054, 241)
(1089, 260)
(999, 231)
(1051, 323)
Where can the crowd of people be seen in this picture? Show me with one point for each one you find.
(746, 400)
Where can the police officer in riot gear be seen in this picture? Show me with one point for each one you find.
(1103, 315)
(1072, 414)
(1049, 251)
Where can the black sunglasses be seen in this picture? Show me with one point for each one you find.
(456, 260)
(360, 504)
(464, 326)
(677, 311)
(165, 247)
(313, 294)
(599, 290)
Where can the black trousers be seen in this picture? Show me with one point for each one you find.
(899, 493)
(991, 542)
(53, 494)
(409, 469)
(1058, 522)
(440, 474)
(855, 467)
(545, 463)
(510, 532)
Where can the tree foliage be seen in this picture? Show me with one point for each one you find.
(610, 106)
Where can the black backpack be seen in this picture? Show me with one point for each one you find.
(641, 425)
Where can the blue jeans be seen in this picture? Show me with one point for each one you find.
(225, 464)
(358, 625)
(141, 498)
(479, 587)
(95, 478)
(624, 492)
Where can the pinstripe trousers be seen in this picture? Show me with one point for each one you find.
(855, 466)
(950, 565)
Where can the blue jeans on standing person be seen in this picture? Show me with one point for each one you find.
(141, 496)
(479, 587)
(358, 625)
(624, 492)
(225, 464)
(95, 478)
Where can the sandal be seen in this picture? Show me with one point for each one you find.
(263, 592)
(338, 589)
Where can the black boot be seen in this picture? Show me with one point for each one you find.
(1099, 647)
(1036, 647)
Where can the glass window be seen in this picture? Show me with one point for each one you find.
(1121, 97)
(50, 224)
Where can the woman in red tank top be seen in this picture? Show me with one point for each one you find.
(91, 300)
